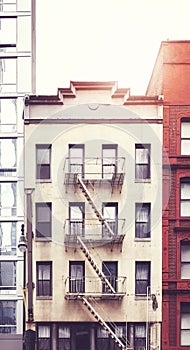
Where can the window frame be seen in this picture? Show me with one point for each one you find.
(112, 222)
(138, 222)
(105, 160)
(141, 339)
(79, 224)
(14, 275)
(40, 224)
(112, 265)
(184, 262)
(81, 165)
(8, 249)
(40, 281)
(6, 324)
(47, 339)
(63, 339)
(144, 146)
(77, 285)
(184, 121)
(186, 181)
(40, 165)
(185, 306)
(146, 281)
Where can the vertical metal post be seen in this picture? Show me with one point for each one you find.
(147, 320)
(29, 262)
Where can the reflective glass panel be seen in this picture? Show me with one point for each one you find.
(8, 238)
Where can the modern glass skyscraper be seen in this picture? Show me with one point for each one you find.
(16, 80)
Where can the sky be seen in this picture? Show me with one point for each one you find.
(104, 40)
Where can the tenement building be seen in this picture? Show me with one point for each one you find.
(170, 78)
(93, 224)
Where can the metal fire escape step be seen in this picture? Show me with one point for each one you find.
(103, 323)
(93, 205)
(95, 266)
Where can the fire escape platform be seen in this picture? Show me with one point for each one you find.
(103, 296)
(72, 241)
(115, 181)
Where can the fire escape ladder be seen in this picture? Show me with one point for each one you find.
(93, 205)
(95, 266)
(103, 323)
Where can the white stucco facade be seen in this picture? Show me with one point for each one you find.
(96, 121)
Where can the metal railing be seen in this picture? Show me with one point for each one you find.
(94, 286)
(94, 168)
(92, 229)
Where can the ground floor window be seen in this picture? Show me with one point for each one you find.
(7, 316)
(102, 339)
(138, 336)
(64, 338)
(79, 336)
(44, 337)
(185, 324)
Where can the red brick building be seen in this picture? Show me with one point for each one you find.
(171, 80)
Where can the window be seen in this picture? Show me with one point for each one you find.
(8, 197)
(185, 197)
(43, 220)
(44, 337)
(185, 260)
(7, 275)
(8, 156)
(43, 161)
(142, 278)
(44, 278)
(120, 331)
(76, 159)
(110, 213)
(8, 238)
(140, 336)
(142, 220)
(185, 137)
(142, 161)
(64, 338)
(77, 276)
(7, 316)
(76, 218)
(103, 342)
(8, 30)
(8, 76)
(109, 268)
(8, 114)
(185, 324)
(109, 161)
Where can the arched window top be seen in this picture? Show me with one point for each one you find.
(185, 179)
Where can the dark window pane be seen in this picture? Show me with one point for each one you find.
(142, 159)
(44, 279)
(43, 161)
(43, 220)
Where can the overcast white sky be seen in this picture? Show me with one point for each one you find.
(118, 40)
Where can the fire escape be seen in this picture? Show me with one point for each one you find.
(103, 286)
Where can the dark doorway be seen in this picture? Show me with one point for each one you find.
(82, 338)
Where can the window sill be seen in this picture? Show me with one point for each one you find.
(142, 180)
(43, 239)
(142, 239)
(44, 297)
(43, 181)
(141, 297)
